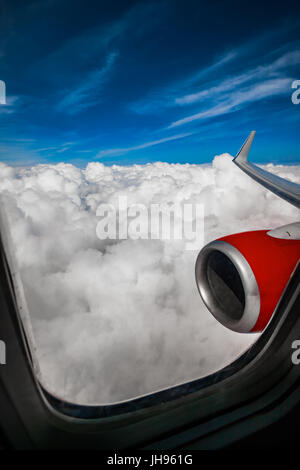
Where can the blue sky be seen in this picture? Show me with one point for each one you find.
(140, 81)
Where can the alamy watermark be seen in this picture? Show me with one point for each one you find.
(2, 92)
(2, 353)
(296, 94)
(166, 221)
(296, 353)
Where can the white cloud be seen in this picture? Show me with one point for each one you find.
(113, 321)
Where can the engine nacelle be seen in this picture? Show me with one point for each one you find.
(241, 277)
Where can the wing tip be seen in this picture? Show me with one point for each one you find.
(242, 155)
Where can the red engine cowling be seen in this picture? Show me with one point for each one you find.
(241, 277)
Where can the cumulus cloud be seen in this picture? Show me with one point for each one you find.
(117, 319)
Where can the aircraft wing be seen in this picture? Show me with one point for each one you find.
(285, 189)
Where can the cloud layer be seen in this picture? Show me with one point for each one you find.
(113, 320)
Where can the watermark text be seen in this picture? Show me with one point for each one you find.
(166, 221)
(2, 92)
(296, 94)
(2, 353)
(296, 353)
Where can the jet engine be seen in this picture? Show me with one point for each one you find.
(241, 277)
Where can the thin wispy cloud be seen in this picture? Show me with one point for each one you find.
(258, 73)
(66, 146)
(184, 91)
(234, 92)
(88, 93)
(76, 52)
(121, 151)
(263, 81)
(236, 99)
(167, 95)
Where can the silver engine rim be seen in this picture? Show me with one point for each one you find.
(252, 296)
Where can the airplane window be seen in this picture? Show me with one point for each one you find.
(116, 318)
(113, 124)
